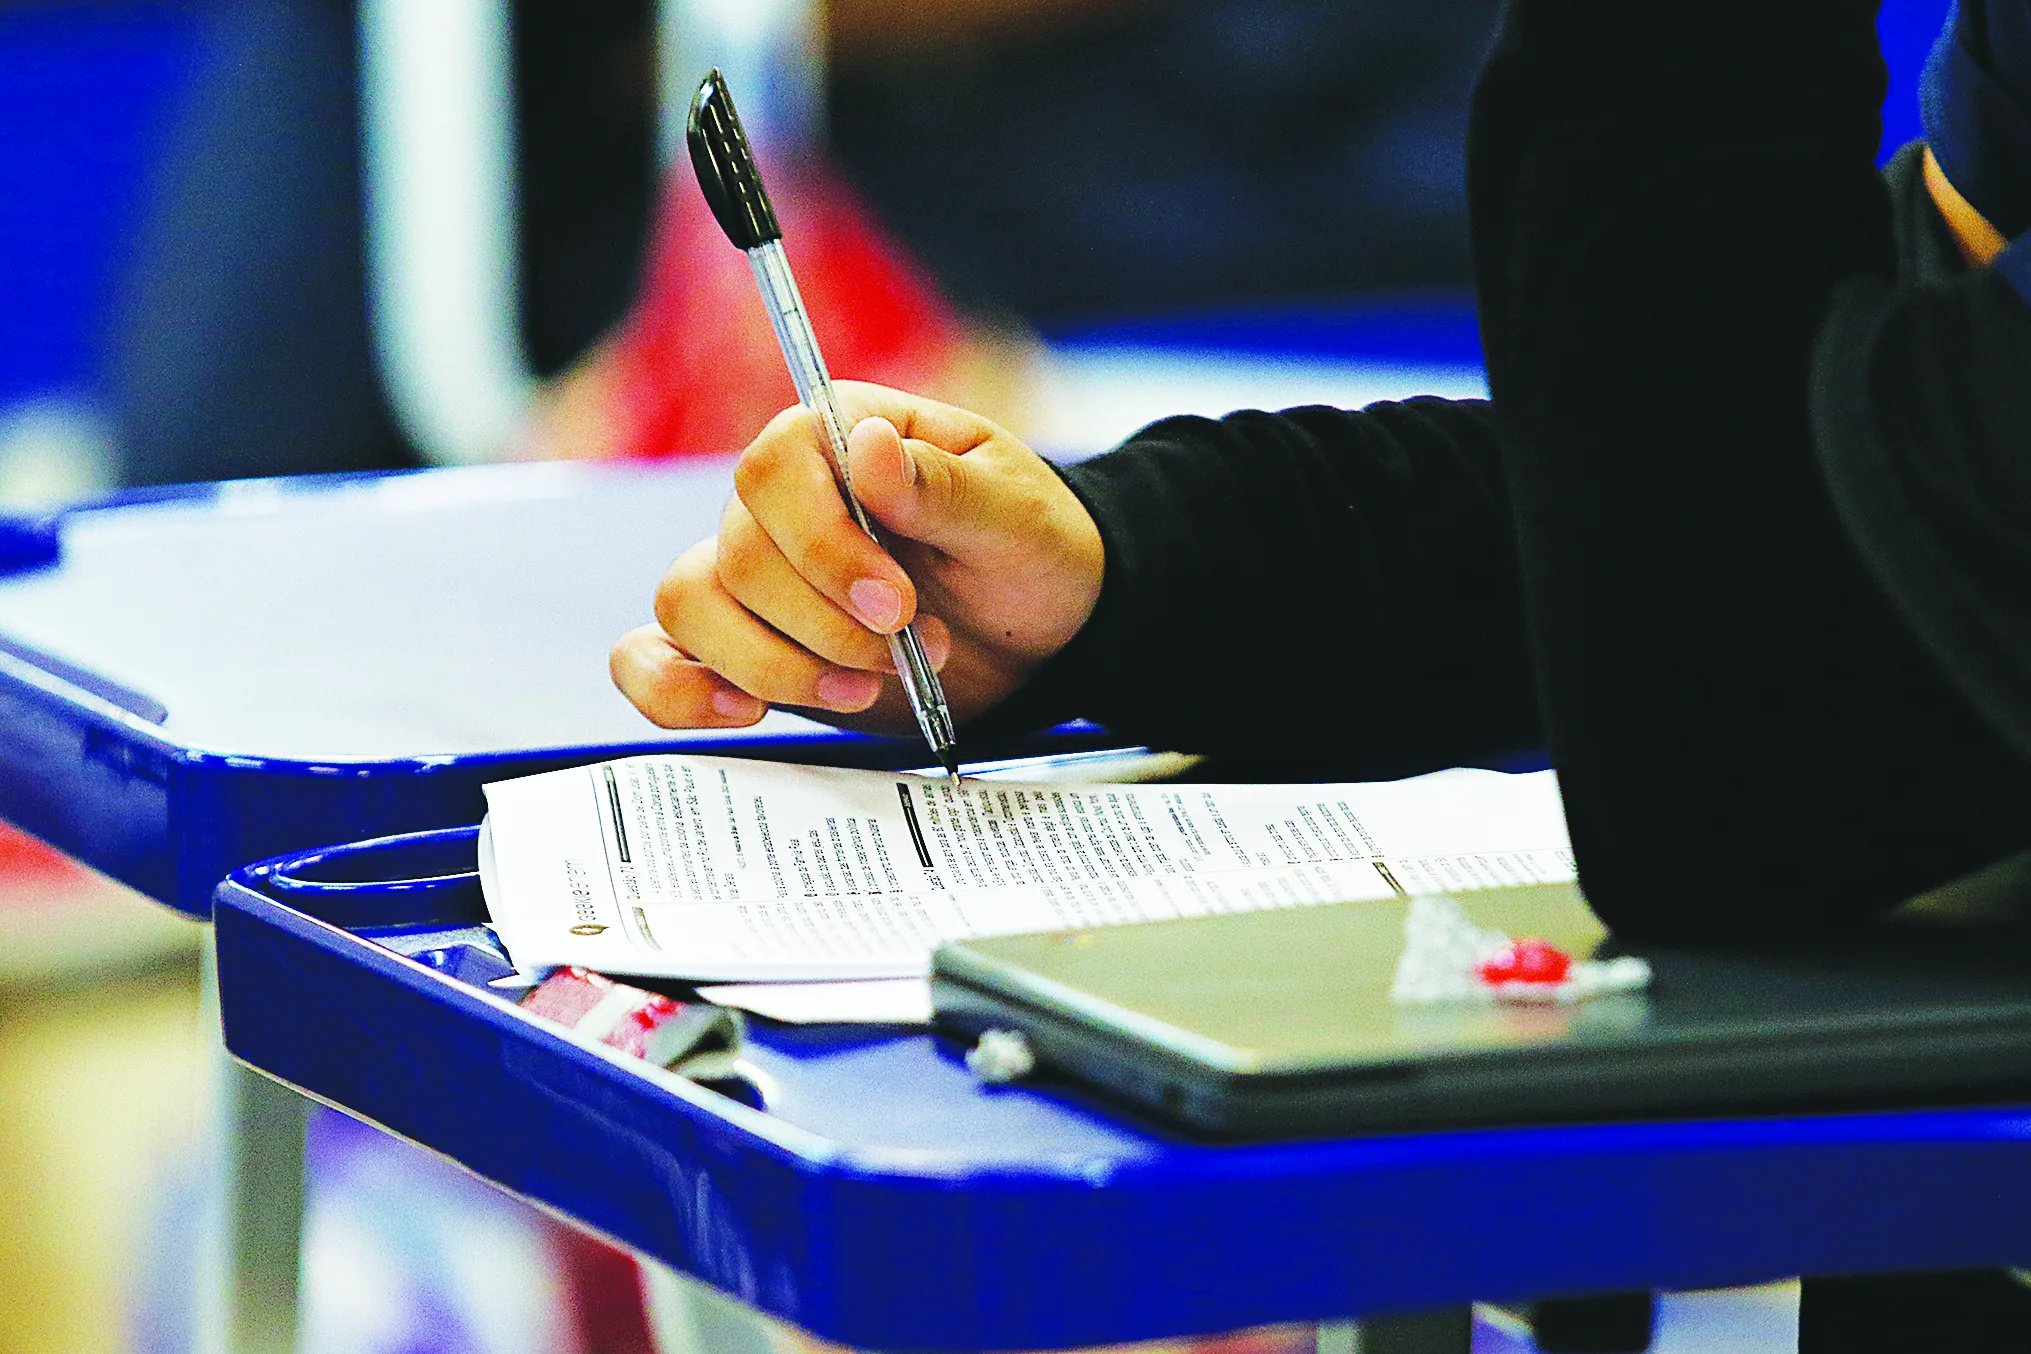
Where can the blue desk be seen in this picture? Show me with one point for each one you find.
(195, 678)
(879, 1197)
(210, 677)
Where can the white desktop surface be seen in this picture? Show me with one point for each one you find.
(442, 613)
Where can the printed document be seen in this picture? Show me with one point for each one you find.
(721, 869)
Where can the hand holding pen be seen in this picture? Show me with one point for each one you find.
(794, 602)
(732, 185)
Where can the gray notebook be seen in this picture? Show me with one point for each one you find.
(1283, 1022)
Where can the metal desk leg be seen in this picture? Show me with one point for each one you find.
(1338, 1337)
(1449, 1330)
(1612, 1323)
(687, 1317)
(251, 1246)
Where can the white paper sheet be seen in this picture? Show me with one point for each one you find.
(716, 868)
(869, 1001)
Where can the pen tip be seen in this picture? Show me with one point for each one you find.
(951, 761)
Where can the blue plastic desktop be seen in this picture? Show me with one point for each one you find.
(880, 1197)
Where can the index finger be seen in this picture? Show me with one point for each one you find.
(945, 426)
(785, 481)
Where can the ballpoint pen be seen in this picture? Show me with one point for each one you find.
(725, 164)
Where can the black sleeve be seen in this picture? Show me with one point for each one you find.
(1922, 405)
(1317, 583)
(1752, 744)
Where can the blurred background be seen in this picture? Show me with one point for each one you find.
(259, 237)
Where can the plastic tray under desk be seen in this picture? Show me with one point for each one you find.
(883, 1199)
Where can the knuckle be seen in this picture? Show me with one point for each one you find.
(662, 686)
(675, 599)
(786, 680)
(795, 426)
(733, 512)
(740, 538)
(850, 645)
(770, 453)
(624, 668)
(942, 483)
(759, 464)
(832, 560)
(669, 605)
(672, 699)
(741, 567)
(956, 488)
(627, 656)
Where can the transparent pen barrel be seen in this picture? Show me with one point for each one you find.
(800, 347)
(921, 684)
(814, 390)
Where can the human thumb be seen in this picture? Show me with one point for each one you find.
(916, 489)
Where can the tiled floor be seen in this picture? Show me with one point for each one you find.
(102, 1060)
(99, 1094)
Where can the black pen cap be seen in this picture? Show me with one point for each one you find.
(725, 165)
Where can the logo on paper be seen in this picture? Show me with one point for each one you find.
(580, 881)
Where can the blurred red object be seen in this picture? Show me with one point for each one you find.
(695, 367)
(603, 1293)
(28, 860)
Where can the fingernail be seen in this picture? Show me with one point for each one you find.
(878, 604)
(735, 704)
(848, 690)
(909, 462)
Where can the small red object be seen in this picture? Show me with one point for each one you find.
(647, 1025)
(1526, 961)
